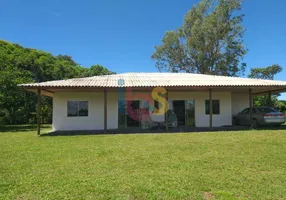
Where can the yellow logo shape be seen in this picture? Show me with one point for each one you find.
(155, 95)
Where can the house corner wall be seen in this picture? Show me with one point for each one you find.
(112, 110)
(239, 102)
(94, 120)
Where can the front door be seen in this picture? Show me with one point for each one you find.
(180, 111)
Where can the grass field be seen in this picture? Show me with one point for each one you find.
(221, 165)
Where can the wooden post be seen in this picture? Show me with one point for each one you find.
(105, 110)
(211, 108)
(269, 99)
(250, 108)
(166, 113)
(39, 113)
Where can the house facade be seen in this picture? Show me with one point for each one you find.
(192, 104)
(143, 100)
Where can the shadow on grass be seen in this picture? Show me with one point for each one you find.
(21, 128)
(141, 131)
(33, 127)
(161, 130)
(263, 128)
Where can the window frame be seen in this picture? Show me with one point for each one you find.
(213, 113)
(78, 110)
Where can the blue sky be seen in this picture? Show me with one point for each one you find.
(121, 35)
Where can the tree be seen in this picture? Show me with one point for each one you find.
(208, 42)
(13, 105)
(25, 65)
(267, 73)
(280, 105)
(96, 70)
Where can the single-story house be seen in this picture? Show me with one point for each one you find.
(120, 101)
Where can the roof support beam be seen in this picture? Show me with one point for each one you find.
(250, 108)
(47, 93)
(105, 111)
(211, 107)
(269, 99)
(39, 112)
(166, 113)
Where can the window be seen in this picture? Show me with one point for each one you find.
(216, 107)
(266, 110)
(246, 111)
(77, 108)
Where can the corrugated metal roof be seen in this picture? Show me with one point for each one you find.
(157, 80)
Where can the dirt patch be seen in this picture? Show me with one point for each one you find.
(208, 196)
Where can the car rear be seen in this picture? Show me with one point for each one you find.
(271, 116)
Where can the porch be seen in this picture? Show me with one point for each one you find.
(195, 111)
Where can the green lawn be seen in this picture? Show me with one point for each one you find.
(222, 165)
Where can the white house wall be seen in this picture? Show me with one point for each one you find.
(95, 119)
(239, 102)
(229, 104)
(112, 110)
(201, 119)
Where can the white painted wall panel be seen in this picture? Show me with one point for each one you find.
(95, 119)
(112, 110)
(239, 102)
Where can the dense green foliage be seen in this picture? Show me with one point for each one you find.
(209, 41)
(267, 73)
(25, 65)
(217, 165)
(280, 105)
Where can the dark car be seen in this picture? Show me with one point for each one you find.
(260, 116)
